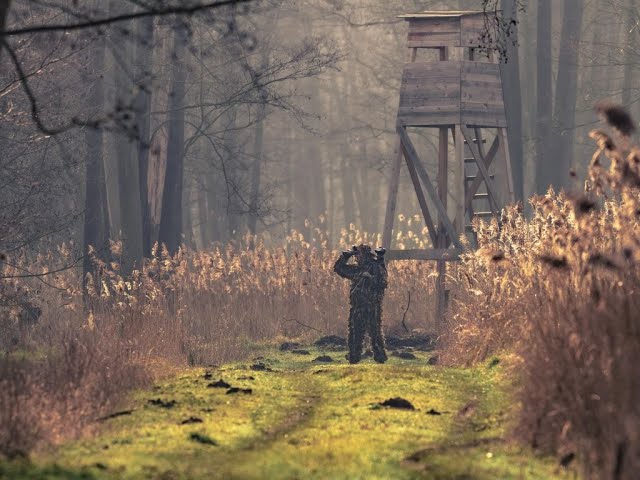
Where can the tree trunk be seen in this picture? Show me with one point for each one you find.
(171, 217)
(258, 147)
(144, 61)
(513, 99)
(127, 162)
(96, 220)
(566, 92)
(4, 12)
(544, 164)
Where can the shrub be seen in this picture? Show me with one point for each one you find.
(560, 289)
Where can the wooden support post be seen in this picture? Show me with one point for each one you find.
(392, 199)
(504, 141)
(459, 182)
(422, 201)
(410, 151)
(443, 180)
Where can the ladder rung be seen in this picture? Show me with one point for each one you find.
(471, 178)
(470, 160)
(475, 140)
(483, 214)
(479, 196)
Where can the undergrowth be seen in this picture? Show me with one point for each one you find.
(69, 353)
(560, 289)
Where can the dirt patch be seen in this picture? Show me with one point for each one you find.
(404, 355)
(219, 384)
(260, 367)
(288, 346)
(203, 439)
(234, 390)
(433, 360)
(191, 420)
(419, 341)
(157, 402)
(301, 352)
(323, 359)
(399, 403)
(331, 342)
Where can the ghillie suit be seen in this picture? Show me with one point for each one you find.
(368, 283)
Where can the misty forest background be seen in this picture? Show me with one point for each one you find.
(259, 135)
(265, 117)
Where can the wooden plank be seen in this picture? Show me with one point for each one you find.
(459, 217)
(442, 69)
(433, 39)
(435, 25)
(392, 199)
(493, 197)
(443, 172)
(422, 201)
(504, 141)
(442, 91)
(412, 155)
(489, 98)
(480, 68)
(436, 119)
(483, 121)
(438, 254)
(480, 142)
(490, 78)
(427, 100)
(472, 27)
(475, 185)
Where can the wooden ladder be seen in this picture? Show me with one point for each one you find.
(480, 206)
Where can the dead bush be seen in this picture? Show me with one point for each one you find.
(60, 391)
(560, 290)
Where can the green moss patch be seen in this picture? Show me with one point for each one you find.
(305, 419)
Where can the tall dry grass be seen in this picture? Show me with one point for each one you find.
(561, 290)
(192, 308)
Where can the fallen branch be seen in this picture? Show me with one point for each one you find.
(303, 325)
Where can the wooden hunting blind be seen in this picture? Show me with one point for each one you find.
(450, 83)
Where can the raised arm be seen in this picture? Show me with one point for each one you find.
(344, 270)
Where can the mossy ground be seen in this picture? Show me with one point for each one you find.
(307, 420)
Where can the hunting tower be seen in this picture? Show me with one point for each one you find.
(451, 84)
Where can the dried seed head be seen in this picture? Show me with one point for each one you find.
(617, 117)
(602, 139)
(555, 262)
(600, 260)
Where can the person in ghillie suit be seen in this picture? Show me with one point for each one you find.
(368, 282)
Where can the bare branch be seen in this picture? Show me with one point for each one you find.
(151, 12)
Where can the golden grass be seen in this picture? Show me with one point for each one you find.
(560, 289)
(195, 308)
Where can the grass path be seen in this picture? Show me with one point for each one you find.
(305, 420)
